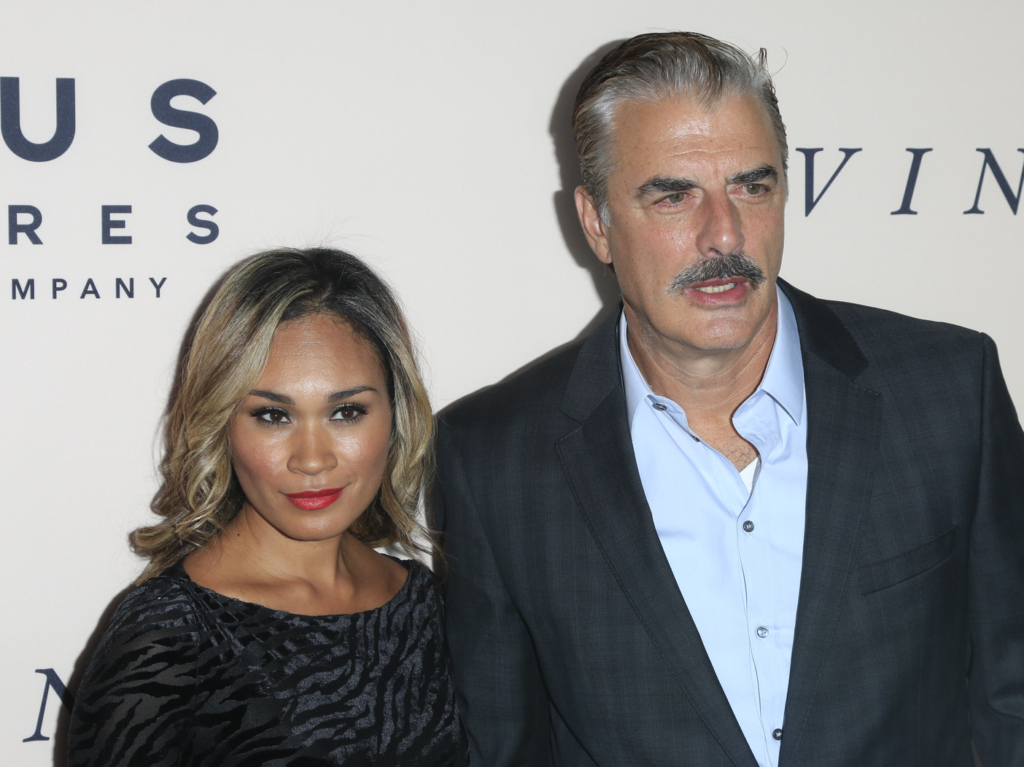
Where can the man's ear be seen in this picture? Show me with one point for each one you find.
(593, 226)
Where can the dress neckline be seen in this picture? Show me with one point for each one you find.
(178, 572)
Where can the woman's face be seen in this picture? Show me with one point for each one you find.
(310, 442)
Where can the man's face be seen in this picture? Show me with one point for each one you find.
(695, 198)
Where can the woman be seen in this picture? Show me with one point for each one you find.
(265, 629)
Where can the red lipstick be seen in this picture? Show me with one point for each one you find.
(311, 500)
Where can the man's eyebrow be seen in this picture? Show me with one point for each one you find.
(766, 171)
(662, 185)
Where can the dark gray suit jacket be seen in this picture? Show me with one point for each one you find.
(571, 640)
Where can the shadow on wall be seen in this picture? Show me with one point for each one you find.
(60, 738)
(560, 129)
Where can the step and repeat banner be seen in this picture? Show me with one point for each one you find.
(146, 147)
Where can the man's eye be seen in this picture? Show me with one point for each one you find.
(677, 197)
(754, 189)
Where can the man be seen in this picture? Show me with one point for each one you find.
(737, 525)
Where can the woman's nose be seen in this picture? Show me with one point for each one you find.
(313, 452)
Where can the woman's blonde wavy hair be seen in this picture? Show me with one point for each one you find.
(224, 359)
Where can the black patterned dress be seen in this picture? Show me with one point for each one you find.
(187, 676)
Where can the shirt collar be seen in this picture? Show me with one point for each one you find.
(783, 377)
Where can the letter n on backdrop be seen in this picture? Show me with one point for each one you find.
(54, 681)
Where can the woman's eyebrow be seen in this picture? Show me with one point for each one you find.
(284, 399)
(349, 393)
(272, 396)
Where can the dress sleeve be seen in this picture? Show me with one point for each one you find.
(135, 702)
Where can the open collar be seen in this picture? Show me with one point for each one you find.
(783, 378)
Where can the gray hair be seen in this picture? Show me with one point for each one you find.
(654, 67)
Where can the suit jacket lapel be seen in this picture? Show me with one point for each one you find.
(844, 423)
(598, 460)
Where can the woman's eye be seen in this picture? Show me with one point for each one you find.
(348, 413)
(272, 416)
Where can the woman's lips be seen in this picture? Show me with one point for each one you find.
(311, 500)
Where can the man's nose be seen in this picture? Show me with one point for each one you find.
(720, 230)
(312, 451)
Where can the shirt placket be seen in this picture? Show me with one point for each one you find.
(759, 600)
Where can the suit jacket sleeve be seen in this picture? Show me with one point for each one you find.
(996, 583)
(501, 693)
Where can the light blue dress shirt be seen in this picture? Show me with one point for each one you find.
(735, 547)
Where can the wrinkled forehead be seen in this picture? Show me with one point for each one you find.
(680, 126)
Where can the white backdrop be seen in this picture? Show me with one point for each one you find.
(430, 138)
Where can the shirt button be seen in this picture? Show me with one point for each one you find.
(659, 406)
(748, 526)
(762, 631)
(777, 734)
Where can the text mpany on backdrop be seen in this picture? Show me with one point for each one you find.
(25, 221)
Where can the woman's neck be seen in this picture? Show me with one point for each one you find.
(253, 561)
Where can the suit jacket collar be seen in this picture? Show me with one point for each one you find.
(843, 431)
(596, 372)
(823, 334)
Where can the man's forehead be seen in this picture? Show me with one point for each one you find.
(687, 130)
(738, 106)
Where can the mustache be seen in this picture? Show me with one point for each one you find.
(719, 268)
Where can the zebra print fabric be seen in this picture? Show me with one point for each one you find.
(186, 676)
